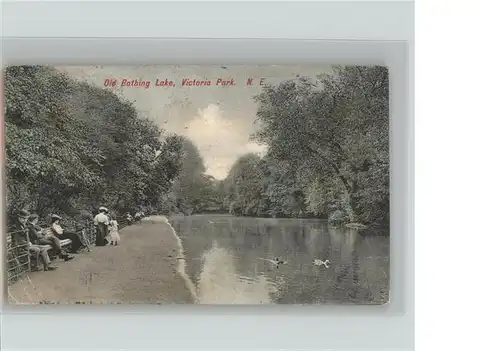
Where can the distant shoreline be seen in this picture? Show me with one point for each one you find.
(239, 216)
(367, 230)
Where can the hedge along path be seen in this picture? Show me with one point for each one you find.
(143, 268)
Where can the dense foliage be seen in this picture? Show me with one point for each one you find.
(71, 147)
(194, 191)
(328, 150)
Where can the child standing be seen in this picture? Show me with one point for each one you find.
(113, 233)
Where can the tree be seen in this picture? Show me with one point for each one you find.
(329, 142)
(245, 186)
(193, 190)
(71, 147)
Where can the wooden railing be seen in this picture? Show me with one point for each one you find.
(18, 256)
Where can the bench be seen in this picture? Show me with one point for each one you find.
(18, 257)
(46, 232)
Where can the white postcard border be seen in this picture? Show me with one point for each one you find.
(233, 327)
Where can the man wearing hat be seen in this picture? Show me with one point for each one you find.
(20, 235)
(101, 221)
(21, 219)
(37, 237)
(20, 239)
(36, 247)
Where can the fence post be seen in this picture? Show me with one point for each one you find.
(28, 250)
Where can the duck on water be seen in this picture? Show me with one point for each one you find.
(277, 261)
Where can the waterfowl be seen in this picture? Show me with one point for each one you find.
(276, 261)
(320, 263)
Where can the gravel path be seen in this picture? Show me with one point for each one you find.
(144, 268)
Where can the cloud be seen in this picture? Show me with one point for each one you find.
(220, 140)
(219, 120)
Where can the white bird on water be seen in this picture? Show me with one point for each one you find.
(276, 261)
(320, 263)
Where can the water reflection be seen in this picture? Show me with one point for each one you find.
(224, 258)
(220, 283)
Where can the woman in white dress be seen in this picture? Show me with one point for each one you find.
(113, 232)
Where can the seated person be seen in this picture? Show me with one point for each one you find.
(137, 216)
(20, 239)
(19, 234)
(38, 252)
(60, 233)
(37, 237)
(129, 218)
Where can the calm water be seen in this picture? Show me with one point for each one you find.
(225, 258)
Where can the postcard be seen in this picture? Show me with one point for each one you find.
(182, 184)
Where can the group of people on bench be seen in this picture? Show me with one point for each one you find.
(37, 240)
(139, 215)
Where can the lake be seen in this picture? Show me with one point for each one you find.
(226, 260)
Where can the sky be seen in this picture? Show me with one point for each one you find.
(218, 118)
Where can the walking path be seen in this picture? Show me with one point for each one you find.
(144, 268)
